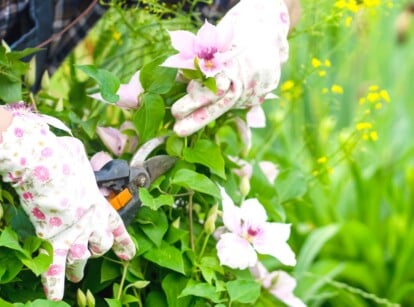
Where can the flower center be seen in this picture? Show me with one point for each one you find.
(207, 54)
(251, 231)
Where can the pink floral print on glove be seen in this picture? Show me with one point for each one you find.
(247, 70)
(58, 191)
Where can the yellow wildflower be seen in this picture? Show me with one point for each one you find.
(378, 106)
(384, 95)
(325, 90)
(287, 85)
(363, 125)
(373, 97)
(373, 135)
(327, 63)
(322, 160)
(322, 73)
(348, 21)
(316, 63)
(337, 89)
(373, 88)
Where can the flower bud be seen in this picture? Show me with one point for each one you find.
(90, 299)
(244, 185)
(81, 298)
(210, 224)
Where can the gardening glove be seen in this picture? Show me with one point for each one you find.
(57, 189)
(259, 47)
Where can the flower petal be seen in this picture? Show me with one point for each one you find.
(270, 170)
(235, 252)
(253, 213)
(128, 93)
(99, 159)
(256, 117)
(113, 139)
(231, 213)
(183, 41)
(272, 241)
(283, 289)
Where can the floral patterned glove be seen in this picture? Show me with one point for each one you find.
(58, 191)
(243, 53)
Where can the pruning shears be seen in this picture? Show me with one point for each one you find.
(124, 179)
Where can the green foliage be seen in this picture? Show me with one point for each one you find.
(347, 195)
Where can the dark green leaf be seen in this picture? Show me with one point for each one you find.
(109, 270)
(108, 83)
(173, 284)
(113, 302)
(10, 90)
(204, 290)
(10, 265)
(166, 256)
(155, 299)
(157, 79)
(153, 223)
(207, 153)
(243, 291)
(195, 181)
(154, 202)
(175, 146)
(149, 117)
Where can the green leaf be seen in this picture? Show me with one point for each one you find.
(209, 266)
(10, 90)
(207, 153)
(211, 84)
(149, 117)
(108, 82)
(157, 79)
(155, 299)
(45, 303)
(41, 262)
(166, 256)
(112, 302)
(10, 265)
(195, 181)
(8, 238)
(175, 146)
(312, 246)
(243, 291)
(204, 290)
(110, 270)
(290, 185)
(154, 202)
(153, 223)
(173, 284)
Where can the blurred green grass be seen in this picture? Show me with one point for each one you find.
(368, 193)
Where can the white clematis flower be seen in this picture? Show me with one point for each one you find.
(248, 232)
(279, 283)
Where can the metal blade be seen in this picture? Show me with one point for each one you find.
(144, 151)
(159, 165)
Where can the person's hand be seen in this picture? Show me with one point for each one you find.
(58, 191)
(249, 68)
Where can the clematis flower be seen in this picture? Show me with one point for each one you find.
(99, 159)
(117, 141)
(211, 47)
(247, 232)
(279, 283)
(128, 93)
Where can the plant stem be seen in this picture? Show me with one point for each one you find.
(121, 285)
(190, 216)
(203, 248)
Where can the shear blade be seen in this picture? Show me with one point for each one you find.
(159, 165)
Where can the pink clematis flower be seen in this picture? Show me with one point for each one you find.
(247, 232)
(116, 140)
(279, 283)
(128, 93)
(211, 47)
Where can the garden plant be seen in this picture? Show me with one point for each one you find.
(298, 193)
